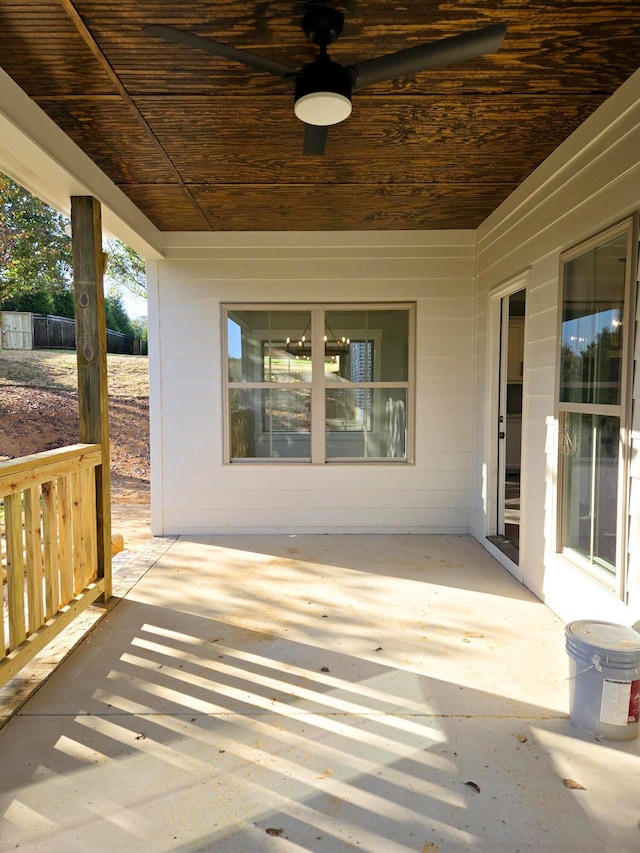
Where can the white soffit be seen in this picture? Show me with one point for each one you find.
(37, 154)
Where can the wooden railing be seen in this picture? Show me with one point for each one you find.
(50, 548)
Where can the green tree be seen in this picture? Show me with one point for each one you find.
(139, 329)
(126, 270)
(35, 250)
(117, 319)
(37, 301)
(36, 265)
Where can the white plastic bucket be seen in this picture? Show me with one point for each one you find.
(604, 678)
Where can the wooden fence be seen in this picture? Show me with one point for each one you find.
(50, 546)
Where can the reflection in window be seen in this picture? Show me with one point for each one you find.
(356, 402)
(591, 400)
(590, 448)
(593, 302)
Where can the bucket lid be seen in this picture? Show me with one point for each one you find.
(604, 635)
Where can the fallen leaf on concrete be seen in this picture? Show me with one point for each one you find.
(522, 738)
(141, 736)
(430, 848)
(325, 669)
(379, 649)
(474, 785)
(575, 786)
(272, 831)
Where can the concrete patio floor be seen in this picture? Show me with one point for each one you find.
(316, 693)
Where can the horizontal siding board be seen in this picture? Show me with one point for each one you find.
(199, 444)
(189, 368)
(457, 309)
(450, 346)
(540, 354)
(460, 439)
(392, 519)
(458, 409)
(541, 381)
(439, 366)
(374, 268)
(179, 309)
(436, 387)
(251, 481)
(205, 348)
(346, 502)
(193, 406)
(454, 328)
(191, 328)
(543, 325)
(178, 386)
(260, 290)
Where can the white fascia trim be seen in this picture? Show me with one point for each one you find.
(37, 154)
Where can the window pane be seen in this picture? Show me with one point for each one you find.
(366, 423)
(590, 451)
(367, 346)
(270, 423)
(269, 346)
(592, 314)
(282, 363)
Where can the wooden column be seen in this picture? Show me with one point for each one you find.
(91, 352)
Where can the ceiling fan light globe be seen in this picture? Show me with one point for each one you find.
(323, 108)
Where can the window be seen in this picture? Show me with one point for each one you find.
(319, 383)
(594, 344)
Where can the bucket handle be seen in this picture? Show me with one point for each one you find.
(595, 664)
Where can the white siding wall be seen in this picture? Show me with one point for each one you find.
(192, 491)
(589, 183)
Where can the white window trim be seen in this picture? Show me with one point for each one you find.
(617, 582)
(318, 310)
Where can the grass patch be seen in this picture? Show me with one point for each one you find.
(127, 375)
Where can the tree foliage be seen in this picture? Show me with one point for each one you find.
(35, 250)
(117, 318)
(36, 272)
(125, 269)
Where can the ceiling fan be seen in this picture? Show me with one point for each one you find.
(323, 88)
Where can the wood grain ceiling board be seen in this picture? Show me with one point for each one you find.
(347, 207)
(411, 140)
(169, 207)
(200, 142)
(42, 51)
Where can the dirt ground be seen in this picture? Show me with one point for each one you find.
(39, 411)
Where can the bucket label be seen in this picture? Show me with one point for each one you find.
(620, 704)
(634, 703)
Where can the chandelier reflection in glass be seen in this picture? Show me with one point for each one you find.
(301, 348)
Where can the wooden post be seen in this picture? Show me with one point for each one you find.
(91, 353)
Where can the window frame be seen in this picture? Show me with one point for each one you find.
(319, 384)
(616, 580)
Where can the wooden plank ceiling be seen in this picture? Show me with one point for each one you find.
(202, 143)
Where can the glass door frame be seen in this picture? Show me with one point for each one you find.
(493, 486)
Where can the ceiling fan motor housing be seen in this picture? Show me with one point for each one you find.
(322, 25)
(323, 77)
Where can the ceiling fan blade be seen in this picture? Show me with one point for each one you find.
(217, 49)
(433, 55)
(315, 138)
